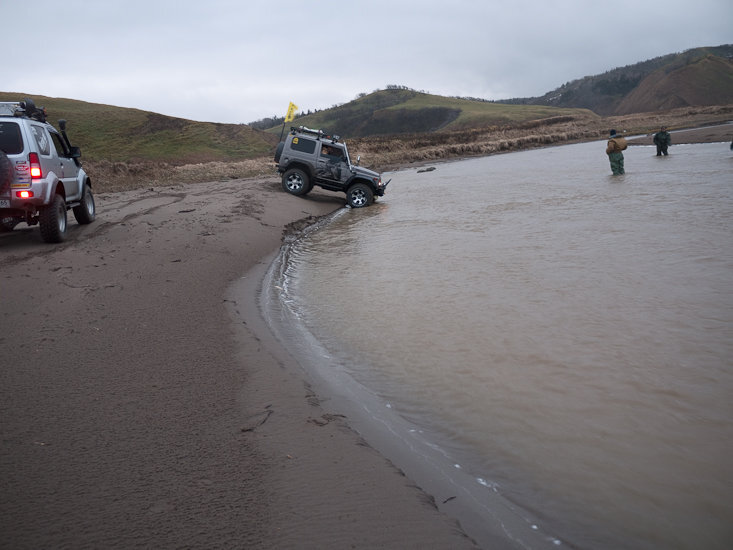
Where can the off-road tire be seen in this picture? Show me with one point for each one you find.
(359, 195)
(6, 171)
(86, 211)
(52, 220)
(296, 182)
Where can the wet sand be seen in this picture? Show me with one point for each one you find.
(139, 409)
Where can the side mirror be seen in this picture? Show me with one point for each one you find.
(75, 152)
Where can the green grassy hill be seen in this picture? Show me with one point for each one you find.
(119, 134)
(404, 111)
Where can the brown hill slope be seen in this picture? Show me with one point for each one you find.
(706, 81)
(695, 77)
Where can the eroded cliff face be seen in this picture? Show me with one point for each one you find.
(707, 81)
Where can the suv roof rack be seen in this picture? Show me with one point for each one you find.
(26, 109)
(319, 133)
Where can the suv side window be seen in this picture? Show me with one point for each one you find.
(304, 145)
(11, 142)
(61, 149)
(332, 152)
(44, 145)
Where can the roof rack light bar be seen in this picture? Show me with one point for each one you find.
(319, 133)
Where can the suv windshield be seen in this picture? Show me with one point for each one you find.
(10, 140)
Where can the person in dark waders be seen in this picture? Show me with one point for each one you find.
(662, 140)
(616, 144)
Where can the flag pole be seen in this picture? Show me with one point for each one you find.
(289, 115)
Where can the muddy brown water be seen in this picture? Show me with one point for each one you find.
(562, 337)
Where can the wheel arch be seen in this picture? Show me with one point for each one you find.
(55, 188)
(365, 181)
(300, 166)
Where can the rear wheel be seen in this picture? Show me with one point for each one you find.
(358, 195)
(52, 219)
(296, 182)
(86, 211)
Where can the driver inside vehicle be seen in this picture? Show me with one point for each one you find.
(333, 158)
(331, 153)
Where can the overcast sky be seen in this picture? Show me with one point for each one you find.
(238, 61)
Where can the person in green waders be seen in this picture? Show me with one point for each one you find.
(662, 140)
(616, 144)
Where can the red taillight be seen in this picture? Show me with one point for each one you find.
(35, 162)
(24, 194)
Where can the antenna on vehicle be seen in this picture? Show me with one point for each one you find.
(62, 127)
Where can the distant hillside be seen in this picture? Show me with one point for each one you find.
(405, 111)
(706, 81)
(129, 148)
(696, 77)
(118, 134)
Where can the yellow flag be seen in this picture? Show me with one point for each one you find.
(291, 112)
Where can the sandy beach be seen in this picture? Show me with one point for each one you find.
(140, 410)
(144, 403)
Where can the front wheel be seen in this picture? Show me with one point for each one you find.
(86, 211)
(52, 219)
(359, 195)
(296, 182)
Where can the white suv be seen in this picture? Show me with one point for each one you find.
(40, 173)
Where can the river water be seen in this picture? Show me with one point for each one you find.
(561, 337)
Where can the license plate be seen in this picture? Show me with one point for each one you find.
(4, 203)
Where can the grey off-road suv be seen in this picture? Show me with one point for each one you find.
(311, 157)
(40, 173)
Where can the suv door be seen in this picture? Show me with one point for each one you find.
(331, 164)
(69, 171)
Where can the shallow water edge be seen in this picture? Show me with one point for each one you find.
(477, 503)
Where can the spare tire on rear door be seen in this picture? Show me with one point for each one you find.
(6, 171)
(279, 151)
